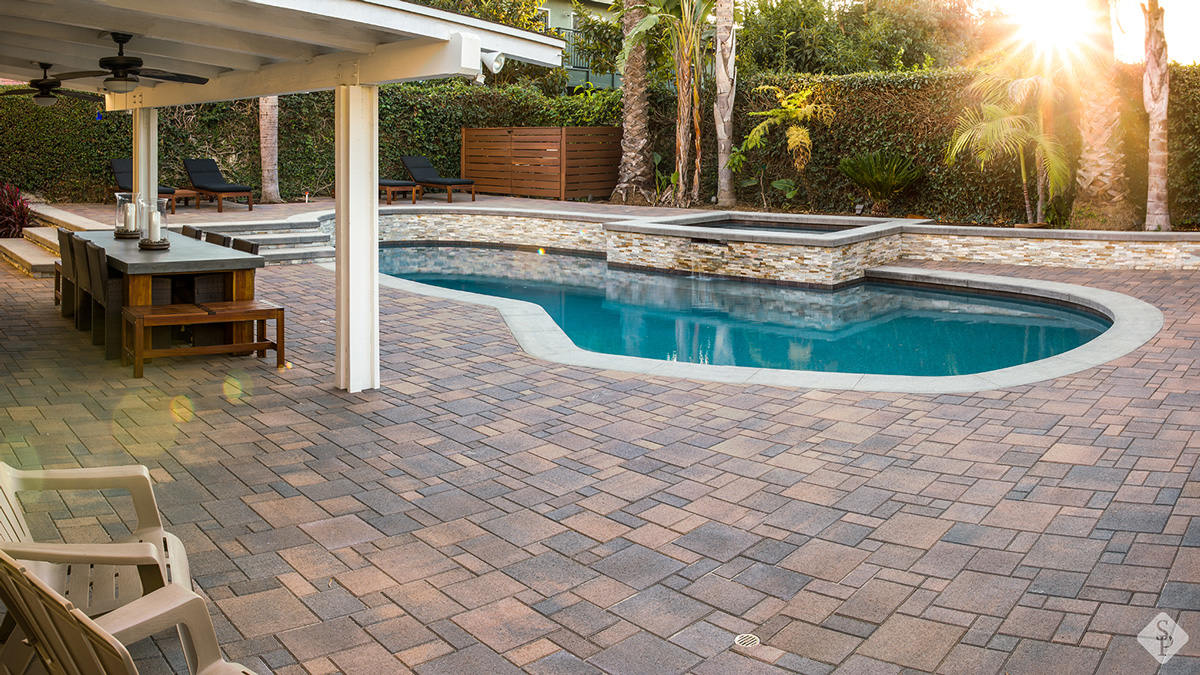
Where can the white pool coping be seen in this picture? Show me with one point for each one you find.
(1134, 323)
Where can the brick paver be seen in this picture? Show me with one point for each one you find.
(485, 512)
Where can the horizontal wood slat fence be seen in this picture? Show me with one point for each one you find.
(559, 162)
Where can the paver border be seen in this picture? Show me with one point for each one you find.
(1134, 323)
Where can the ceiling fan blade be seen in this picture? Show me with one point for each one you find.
(81, 73)
(16, 92)
(79, 94)
(155, 74)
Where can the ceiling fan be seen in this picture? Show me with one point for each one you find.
(44, 88)
(124, 72)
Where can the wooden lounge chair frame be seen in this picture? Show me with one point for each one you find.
(203, 166)
(424, 174)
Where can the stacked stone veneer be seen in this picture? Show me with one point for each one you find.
(1158, 254)
(805, 264)
(574, 235)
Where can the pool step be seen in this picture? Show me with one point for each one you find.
(295, 256)
(28, 257)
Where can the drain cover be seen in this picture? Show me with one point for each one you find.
(747, 640)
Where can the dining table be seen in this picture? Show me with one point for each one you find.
(185, 257)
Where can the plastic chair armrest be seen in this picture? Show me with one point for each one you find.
(96, 554)
(165, 608)
(133, 478)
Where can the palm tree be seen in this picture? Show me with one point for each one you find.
(684, 21)
(635, 178)
(994, 131)
(1156, 87)
(1102, 197)
(268, 143)
(725, 76)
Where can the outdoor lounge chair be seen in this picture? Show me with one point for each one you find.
(68, 642)
(206, 179)
(390, 187)
(123, 171)
(428, 177)
(106, 580)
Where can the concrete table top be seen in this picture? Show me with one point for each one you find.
(186, 255)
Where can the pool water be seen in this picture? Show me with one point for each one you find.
(867, 328)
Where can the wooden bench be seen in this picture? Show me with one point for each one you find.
(137, 319)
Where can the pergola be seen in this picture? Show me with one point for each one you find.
(252, 48)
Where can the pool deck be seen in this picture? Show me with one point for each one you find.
(488, 512)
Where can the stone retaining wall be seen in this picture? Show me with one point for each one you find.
(574, 235)
(1047, 252)
(815, 265)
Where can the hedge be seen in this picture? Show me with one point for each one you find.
(62, 152)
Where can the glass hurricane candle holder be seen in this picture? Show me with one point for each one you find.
(126, 226)
(154, 237)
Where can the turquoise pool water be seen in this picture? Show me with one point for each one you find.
(868, 328)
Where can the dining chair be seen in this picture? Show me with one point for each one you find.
(193, 232)
(217, 238)
(83, 283)
(245, 245)
(67, 282)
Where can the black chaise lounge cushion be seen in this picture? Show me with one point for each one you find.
(387, 182)
(423, 172)
(206, 175)
(123, 170)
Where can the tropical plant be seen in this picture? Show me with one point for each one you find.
(793, 113)
(993, 131)
(882, 175)
(725, 78)
(15, 214)
(684, 22)
(1156, 89)
(1102, 199)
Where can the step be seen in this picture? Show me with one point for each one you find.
(28, 257)
(287, 238)
(57, 217)
(258, 226)
(292, 256)
(46, 237)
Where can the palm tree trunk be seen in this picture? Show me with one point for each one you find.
(1042, 180)
(725, 76)
(268, 141)
(1156, 86)
(635, 177)
(1102, 198)
(1025, 190)
(681, 196)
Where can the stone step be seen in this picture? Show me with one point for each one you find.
(46, 237)
(56, 217)
(292, 256)
(28, 257)
(287, 239)
(258, 227)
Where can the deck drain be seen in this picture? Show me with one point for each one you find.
(747, 640)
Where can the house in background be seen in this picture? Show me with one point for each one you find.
(560, 14)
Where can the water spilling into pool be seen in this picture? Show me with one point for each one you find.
(867, 328)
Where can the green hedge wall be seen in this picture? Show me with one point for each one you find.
(62, 152)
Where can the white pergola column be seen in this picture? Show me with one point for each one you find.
(145, 154)
(356, 117)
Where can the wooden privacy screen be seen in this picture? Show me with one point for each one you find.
(560, 162)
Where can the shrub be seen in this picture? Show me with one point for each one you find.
(881, 174)
(15, 214)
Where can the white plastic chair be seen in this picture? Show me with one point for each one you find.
(69, 643)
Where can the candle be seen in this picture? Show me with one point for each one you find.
(129, 218)
(155, 226)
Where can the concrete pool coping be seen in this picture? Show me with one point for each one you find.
(1134, 323)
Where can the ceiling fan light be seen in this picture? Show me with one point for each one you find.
(45, 100)
(121, 85)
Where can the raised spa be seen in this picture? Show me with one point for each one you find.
(870, 327)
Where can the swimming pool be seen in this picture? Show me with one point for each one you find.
(874, 328)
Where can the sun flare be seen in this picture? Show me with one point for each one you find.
(1053, 28)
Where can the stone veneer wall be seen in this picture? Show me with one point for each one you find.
(575, 235)
(1048, 252)
(818, 265)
